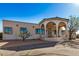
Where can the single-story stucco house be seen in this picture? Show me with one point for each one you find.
(51, 29)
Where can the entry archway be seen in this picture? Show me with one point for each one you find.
(61, 29)
(51, 29)
(43, 29)
(42, 26)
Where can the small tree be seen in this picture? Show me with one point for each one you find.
(24, 35)
(73, 25)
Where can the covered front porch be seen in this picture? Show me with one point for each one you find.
(55, 31)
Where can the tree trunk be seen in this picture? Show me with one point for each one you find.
(70, 38)
(70, 35)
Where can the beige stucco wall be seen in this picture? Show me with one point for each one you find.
(16, 29)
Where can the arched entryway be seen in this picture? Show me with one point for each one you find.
(43, 29)
(42, 26)
(61, 29)
(51, 29)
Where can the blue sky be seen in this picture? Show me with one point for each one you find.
(35, 12)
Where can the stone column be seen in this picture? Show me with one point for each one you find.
(67, 31)
(45, 30)
(56, 30)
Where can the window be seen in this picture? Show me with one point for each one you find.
(8, 30)
(42, 31)
(39, 31)
(23, 30)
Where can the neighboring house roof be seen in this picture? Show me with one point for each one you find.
(53, 19)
